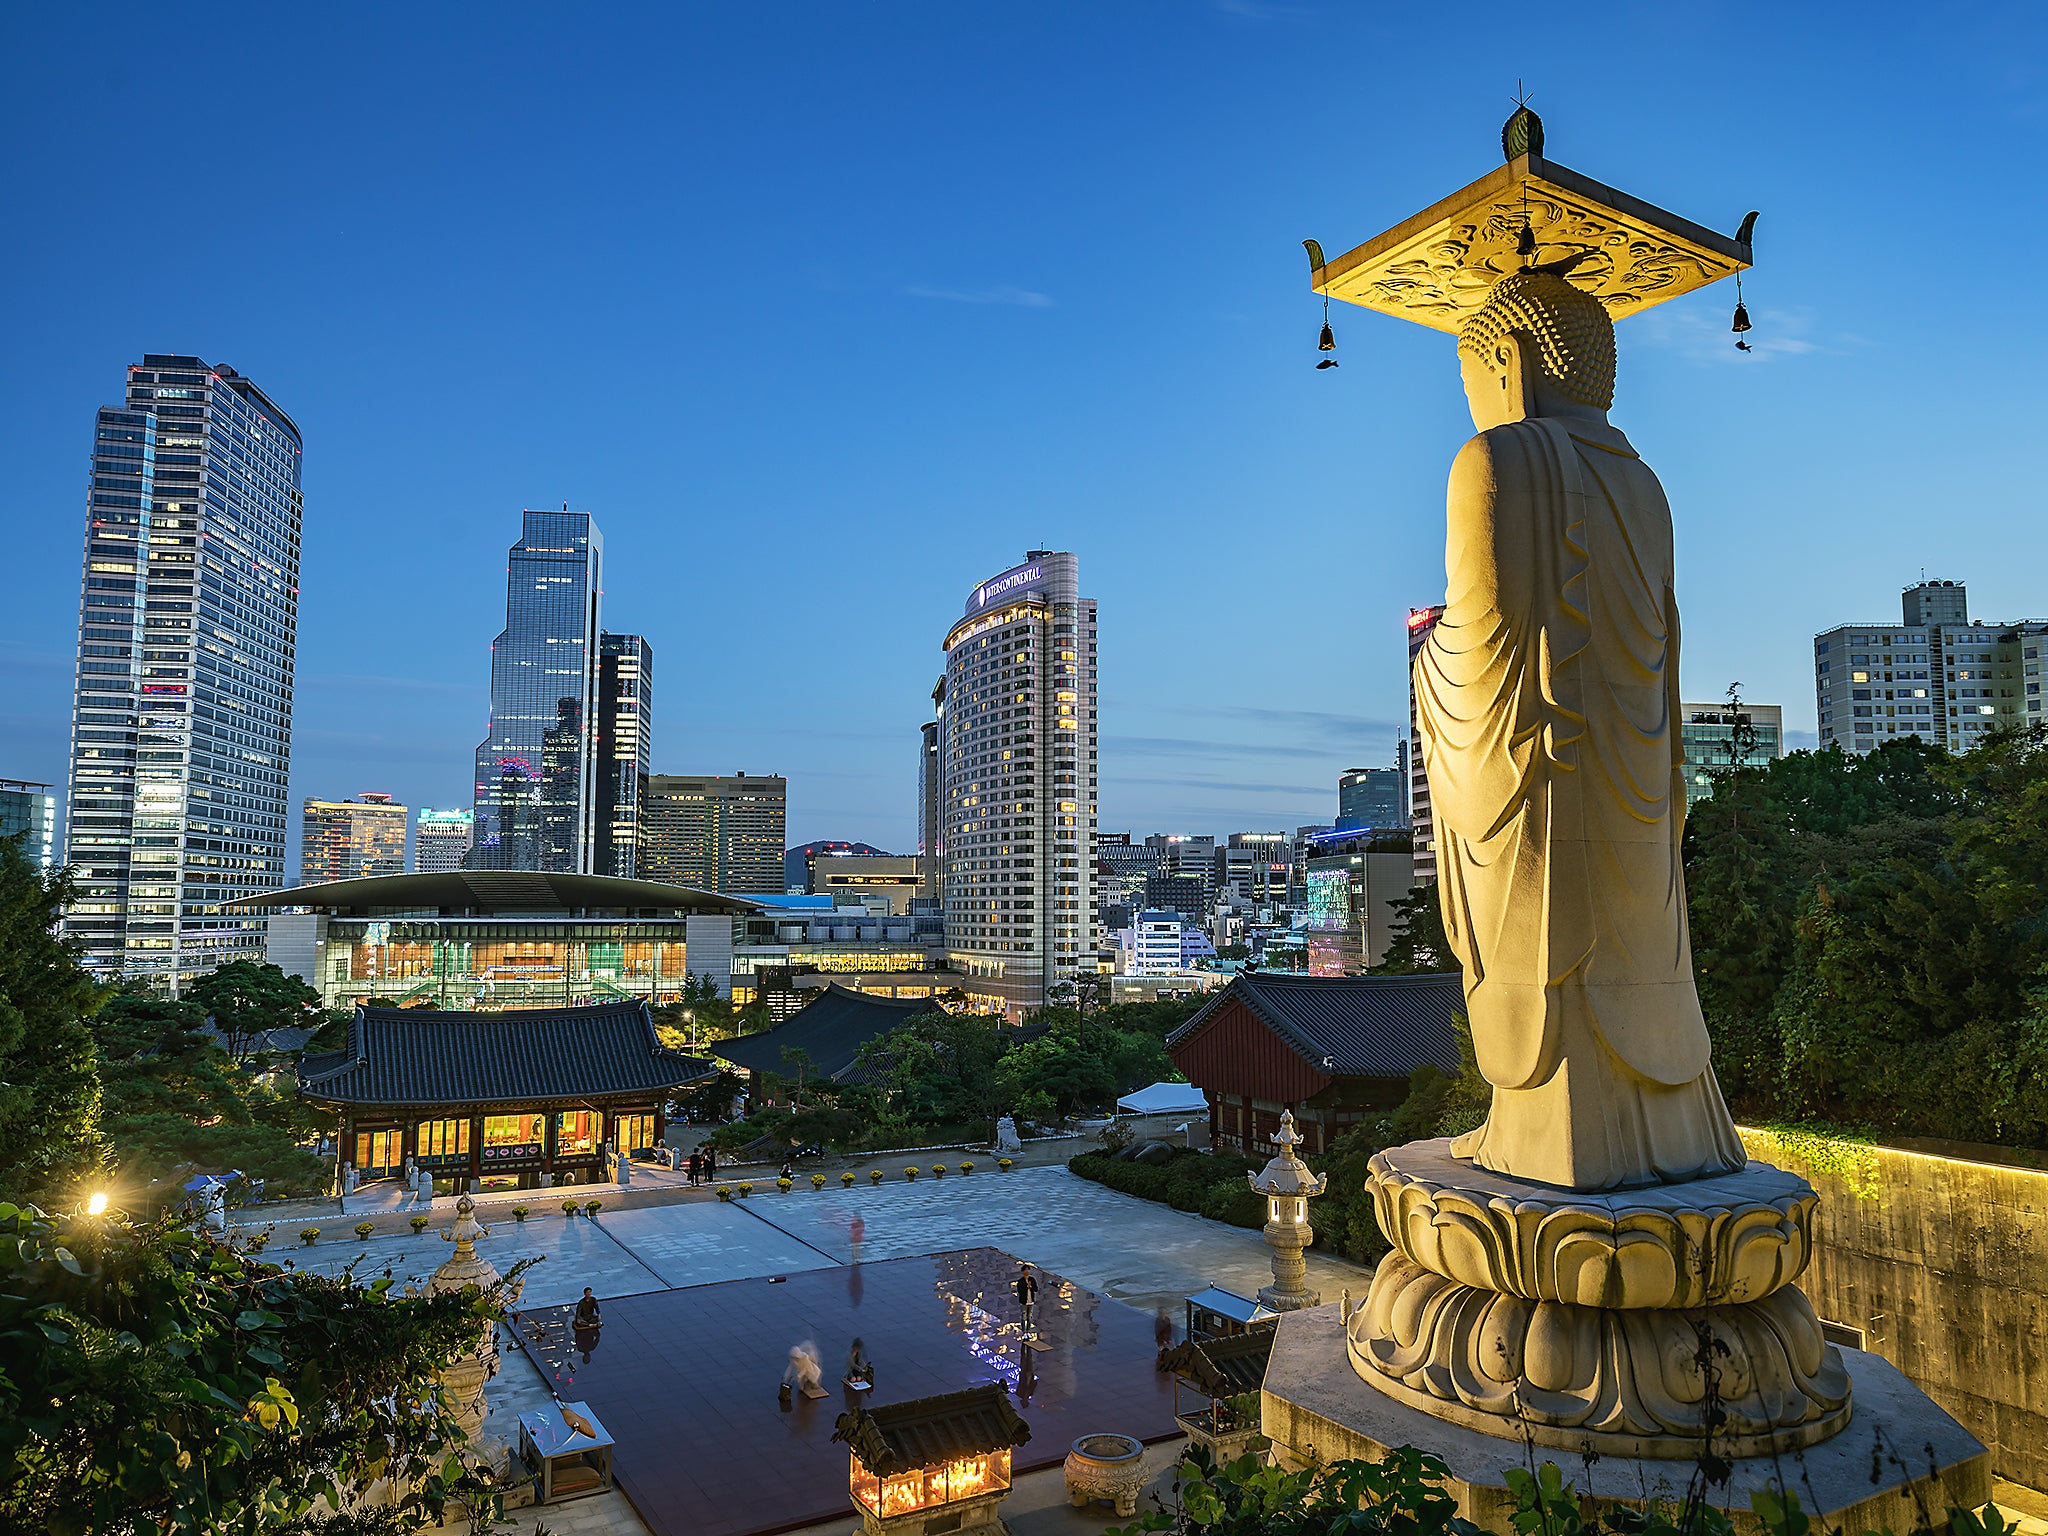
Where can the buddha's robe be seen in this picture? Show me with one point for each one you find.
(1547, 699)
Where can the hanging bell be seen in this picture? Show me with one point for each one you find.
(1741, 322)
(1525, 242)
(1327, 342)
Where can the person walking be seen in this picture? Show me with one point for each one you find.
(696, 1167)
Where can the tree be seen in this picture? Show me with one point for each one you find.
(50, 1138)
(1419, 943)
(153, 1380)
(246, 998)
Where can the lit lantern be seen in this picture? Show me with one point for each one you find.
(1288, 1186)
(932, 1464)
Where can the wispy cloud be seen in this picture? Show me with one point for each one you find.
(1002, 293)
(1186, 747)
(1704, 338)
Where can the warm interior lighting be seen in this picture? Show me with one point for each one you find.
(907, 1492)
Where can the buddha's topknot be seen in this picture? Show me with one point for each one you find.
(1573, 333)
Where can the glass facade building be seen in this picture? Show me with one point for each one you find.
(536, 790)
(348, 839)
(1707, 733)
(29, 812)
(182, 715)
(625, 732)
(1018, 748)
(1370, 797)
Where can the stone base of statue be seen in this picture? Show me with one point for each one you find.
(1625, 1321)
(1289, 1291)
(1898, 1466)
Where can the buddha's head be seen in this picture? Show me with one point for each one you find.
(1537, 347)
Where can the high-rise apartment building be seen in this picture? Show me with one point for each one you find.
(351, 839)
(1710, 734)
(1939, 674)
(29, 811)
(536, 790)
(1421, 625)
(1019, 766)
(440, 840)
(625, 734)
(182, 717)
(1371, 797)
(714, 832)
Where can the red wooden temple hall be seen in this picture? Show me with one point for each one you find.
(1334, 1049)
(524, 1099)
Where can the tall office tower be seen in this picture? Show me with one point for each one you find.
(536, 790)
(351, 839)
(1707, 735)
(931, 800)
(1370, 797)
(440, 839)
(625, 733)
(1123, 867)
(1255, 865)
(29, 812)
(1421, 625)
(1019, 764)
(1939, 675)
(1188, 858)
(715, 833)
(188, 624)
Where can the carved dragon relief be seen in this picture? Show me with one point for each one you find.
(1450, 276)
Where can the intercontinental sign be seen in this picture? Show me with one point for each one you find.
(1021, 579)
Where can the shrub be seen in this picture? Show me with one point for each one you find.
(784, 1185)
(846, 1181)
(874, 1175)
(967, 1167)
(1006, 1164)
(309, 1235)
(817, 1181)
(419, 1224)
(725, 1191)
(910, 1174)
(519, 1213)
(258, 1241)
(592, 1207)
(569, 1208)
(746, 1190)
(365, 1228)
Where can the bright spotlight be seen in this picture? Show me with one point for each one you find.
(96, 1205)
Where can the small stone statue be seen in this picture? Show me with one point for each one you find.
(1007, 1140)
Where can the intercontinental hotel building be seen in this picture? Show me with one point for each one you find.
(1017, 751)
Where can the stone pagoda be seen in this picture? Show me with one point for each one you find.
(1288, 1186)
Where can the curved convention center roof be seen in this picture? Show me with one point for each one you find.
(487, 892)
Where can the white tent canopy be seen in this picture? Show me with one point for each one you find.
(1165, 1099)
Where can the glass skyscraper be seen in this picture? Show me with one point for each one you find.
(182, 716)
(536, 789)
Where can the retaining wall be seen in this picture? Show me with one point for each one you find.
(1941, 1262)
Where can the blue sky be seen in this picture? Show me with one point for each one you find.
(830, 311)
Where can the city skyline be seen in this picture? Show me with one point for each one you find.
(1171, 430)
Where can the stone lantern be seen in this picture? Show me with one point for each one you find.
(463, 1378)
(1288, 1186)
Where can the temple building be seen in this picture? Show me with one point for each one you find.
(530, 1098)
(1332, 1049)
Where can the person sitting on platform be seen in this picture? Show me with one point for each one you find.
(587, 1314)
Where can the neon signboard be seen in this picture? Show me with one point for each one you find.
(1019, 579)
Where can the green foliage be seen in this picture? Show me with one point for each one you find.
(1210, 1184)
(702, 1015)
(50, 1137)
(1871, 938)
(1400, 1496)
(1418, 943)
(155, 1381)
(244, 998)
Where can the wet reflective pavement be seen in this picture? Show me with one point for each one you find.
(686, 1380)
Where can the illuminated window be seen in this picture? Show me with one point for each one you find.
(512, 1131)
(442, 1138)
(576, 1132)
